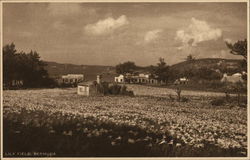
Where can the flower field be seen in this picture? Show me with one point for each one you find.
(149, 124)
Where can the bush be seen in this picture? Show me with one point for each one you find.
(215, 84)
(113, 89)
(185, 99)
(218, 102)
(103, 88)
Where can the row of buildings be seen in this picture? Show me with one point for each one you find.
(127, 78)
(140, 78)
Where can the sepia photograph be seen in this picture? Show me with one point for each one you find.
(130, 79)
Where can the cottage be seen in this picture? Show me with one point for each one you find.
(88, 88)
(84, 88)
(120, 79)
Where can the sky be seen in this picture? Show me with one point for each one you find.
(113, 33)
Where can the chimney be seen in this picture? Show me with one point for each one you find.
(99, 78)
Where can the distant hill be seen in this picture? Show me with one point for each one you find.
(213, 63)
(90, 71)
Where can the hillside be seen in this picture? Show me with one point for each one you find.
(108, 72)
(215, 63)
(89, 71)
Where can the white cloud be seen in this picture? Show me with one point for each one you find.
(152, 35)
(63, 9)
(198, 31)
(106, 26)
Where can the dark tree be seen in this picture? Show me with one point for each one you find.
(239, 48)
(9, 64)
(162, 70)
(126, 67)
(27, 68)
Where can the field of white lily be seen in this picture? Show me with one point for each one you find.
(196, 123)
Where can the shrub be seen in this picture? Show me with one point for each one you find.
(215, 84)
(129, 93)
(103, 88)
(171, 98)
(113, 89)
(185, 99)
(123, 89)
(218, 102)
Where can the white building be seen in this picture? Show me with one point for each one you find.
(88, 88)
(120, 79)
(72, 78)
(141, 78)
(83, 89)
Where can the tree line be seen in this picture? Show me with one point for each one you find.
(26, 68)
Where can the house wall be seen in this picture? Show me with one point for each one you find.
(119, 79)
(83, 90)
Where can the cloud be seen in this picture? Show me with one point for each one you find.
(152, 35)
(106, 26)
(198, 31)
(63, 9)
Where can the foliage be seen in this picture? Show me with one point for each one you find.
(239, 48)
(126, 67)
(161, 71)
(113, 89)
(202, 73)
(208, 74)
(26, 67)
(236, 88)
(218, 101)
(185, 99)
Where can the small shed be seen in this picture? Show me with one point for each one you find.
(86, 88)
